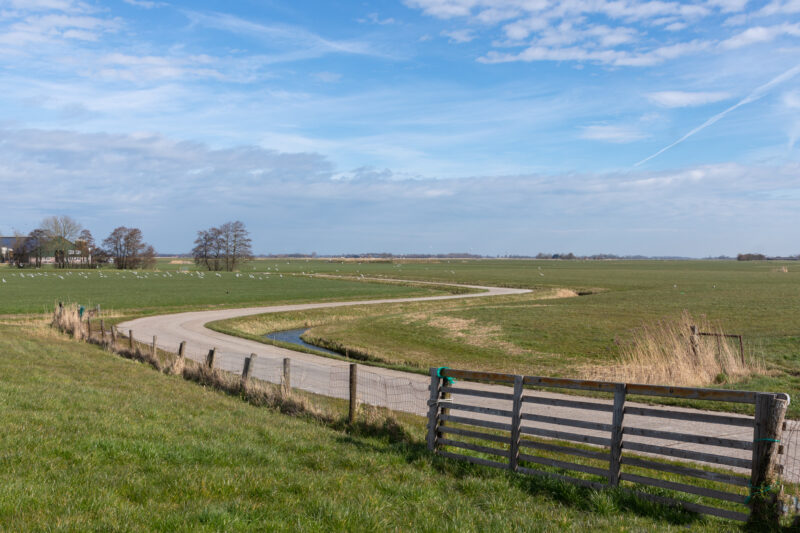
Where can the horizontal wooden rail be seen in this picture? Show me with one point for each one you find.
(685, 437)
(544, 461)
(687, 454)
(730, 479)
(478, 393)
(564, 435)
(474, 434)
(474, 447)
(682, 487)
(473, 422)
(476, 409)
(693, 507)
(691, 416)
(568, 450)
(598, 426)
(573, 404)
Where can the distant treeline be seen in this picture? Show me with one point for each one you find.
(762, 257)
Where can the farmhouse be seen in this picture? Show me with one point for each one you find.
(53, 251)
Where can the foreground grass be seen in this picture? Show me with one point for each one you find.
(95, 442)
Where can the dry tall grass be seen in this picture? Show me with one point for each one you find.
(665, 352)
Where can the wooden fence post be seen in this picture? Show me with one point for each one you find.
(286, 377)
(433, 408)
(130, 339)
(153, 347)
(212, 353)
(351, 415)
(516, 422)
(764, 493)
(693, 340)
(248, 368)
(88, 328)
(741, 349)
(182, 350)
(617, 418)
(113, 337)
(102, 330)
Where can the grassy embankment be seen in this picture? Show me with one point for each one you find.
(92, 441)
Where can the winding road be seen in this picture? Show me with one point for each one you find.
(383, 387)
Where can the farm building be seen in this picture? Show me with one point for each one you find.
(30, 252)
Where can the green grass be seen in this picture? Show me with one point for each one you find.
(95, 442)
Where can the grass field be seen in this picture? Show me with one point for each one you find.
(91, 441)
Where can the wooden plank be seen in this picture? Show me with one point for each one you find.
(474, 434)
(574, 404)
(687, 454)
(694, 417)
(473, 422)
(770, 413)
(478, 409)
(473, 447)
(567, 479)
(563, 435)
(616, 436)
(557, 448)
(602, 472)
(479, 393)
(714, 395)
(475, 460)
(433, 408)
(564, 383)
(682, 487)
(477, 376)
(685, 437)
(566, 422)
(693, 507)
(513, 456)
(353, 406)
(730, 479)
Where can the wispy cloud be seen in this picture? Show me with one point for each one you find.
(459, 36)
(685, 98)
(752, 97)
(612, 133)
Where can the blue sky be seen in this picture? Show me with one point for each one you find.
(495, 127)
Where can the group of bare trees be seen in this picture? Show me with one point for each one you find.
(72, 246)
(223, 248)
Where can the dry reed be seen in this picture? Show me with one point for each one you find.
(667, 352)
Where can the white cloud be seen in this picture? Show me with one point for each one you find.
(686, 99)
(373, 18)
(459, 36)
(612, 133)
(761, 34)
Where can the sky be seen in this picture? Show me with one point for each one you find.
(412, 126)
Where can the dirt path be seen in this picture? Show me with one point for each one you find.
(383, 387)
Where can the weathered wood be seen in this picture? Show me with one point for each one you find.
(513, 456)
(474, 434)
(102, 329)
(130, 339)
(616, 435)
(471, 459)
(476, 376)
(88, 328)
(693, 341)
(153, 347)
(574, 404)
(212, 354)
(599, 426)
(770, 412)
(730, 479)
(182, 349)
(686, 437)
(564, 383)
(682, 487)
(716, 395)
(351, 414)
(479, 393)
(568, 450)
(286, 376)
(247, 370)
(113, 336)
(687, 454)
(693, 507)
(472, 422)
(563, 435)
(473, 447)
(692, 416)
(545, 461)
(433, 408)
(561, 477)
(477, 409)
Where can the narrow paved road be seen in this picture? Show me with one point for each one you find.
(394, 389)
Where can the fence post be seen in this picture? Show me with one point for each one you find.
(212, 353)
(102, 330)
(248, 368)
(88, 328)
(351, 415)
(616, 434)
(693, 340)
(516, 422)
(182, 350)
(153, 347)
(433, 408)
(130, 339)
(764, 493)
(741, 349)
(286, 377)
(113, 337)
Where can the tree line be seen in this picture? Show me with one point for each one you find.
(70, 245)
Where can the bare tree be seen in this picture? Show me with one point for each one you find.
(223, 248)
(86, 247)
(126, 247)
(61, 231)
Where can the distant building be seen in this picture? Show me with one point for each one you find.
(55, 251)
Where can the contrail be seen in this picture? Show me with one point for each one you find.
(753, 96)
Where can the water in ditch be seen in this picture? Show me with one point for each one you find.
(292, 336)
